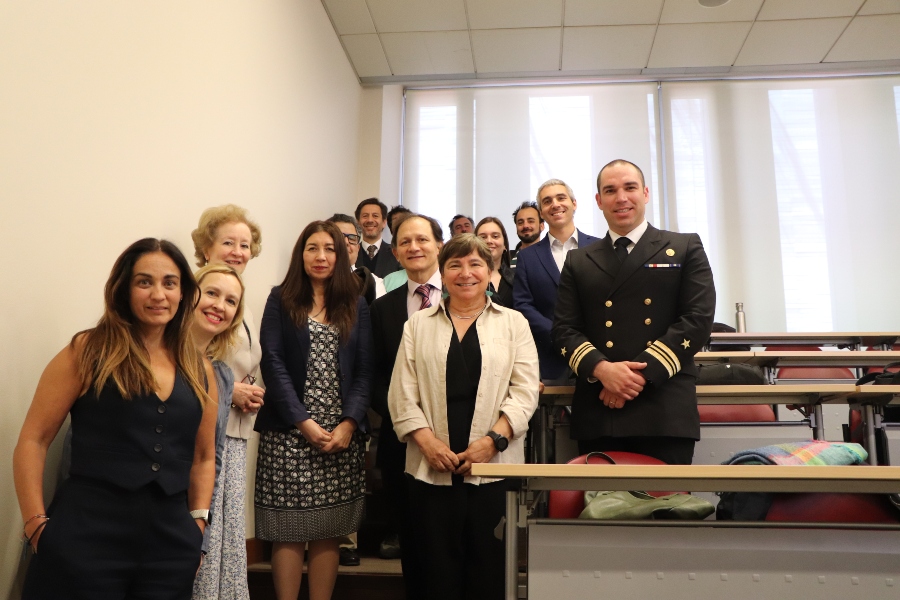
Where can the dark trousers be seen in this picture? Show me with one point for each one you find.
(455, 530)
(670, 450)
(106, 543)
(392, 461)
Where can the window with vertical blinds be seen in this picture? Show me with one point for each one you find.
(793, 185)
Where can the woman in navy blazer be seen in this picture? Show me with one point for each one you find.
(317, 364)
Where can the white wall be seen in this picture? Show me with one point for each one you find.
(121, 120)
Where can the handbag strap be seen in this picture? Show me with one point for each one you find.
(603, 455)
(885, 374)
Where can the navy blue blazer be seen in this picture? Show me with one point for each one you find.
(534, 295)
(285, 348)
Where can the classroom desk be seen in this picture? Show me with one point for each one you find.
(687, 478)
(842, 339)
(810, 358)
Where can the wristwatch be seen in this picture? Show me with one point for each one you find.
(201, 513)
(500, 442)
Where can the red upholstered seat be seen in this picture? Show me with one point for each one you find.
(731, 413)
(568, 504)
(833, 508)
(809, 372)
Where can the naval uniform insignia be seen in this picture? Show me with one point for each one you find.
(686, 344)
(670, 252)
(564, 351)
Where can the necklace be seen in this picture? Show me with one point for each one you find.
(476, 315)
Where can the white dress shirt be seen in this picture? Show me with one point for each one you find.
(414, 300)
(559, 249)
(634, 235)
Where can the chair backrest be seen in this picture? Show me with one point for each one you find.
(809, 372)
(568, 504)
(734, 413)
(833, 508)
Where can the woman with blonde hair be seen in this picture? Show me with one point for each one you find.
(129, 520)
(227, 236)
(217, 320)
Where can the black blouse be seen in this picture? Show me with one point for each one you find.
(463, 375)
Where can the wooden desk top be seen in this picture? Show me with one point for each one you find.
(810, 358)
(700, 478)
(866, 338)
(746, 394)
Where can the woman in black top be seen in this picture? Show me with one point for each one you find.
(491, 230)
(129, 521)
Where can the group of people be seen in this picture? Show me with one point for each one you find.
(447, 341)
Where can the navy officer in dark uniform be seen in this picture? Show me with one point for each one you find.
(631, 312)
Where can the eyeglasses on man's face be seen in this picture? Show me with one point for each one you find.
(352, 238)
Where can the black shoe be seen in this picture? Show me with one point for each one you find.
(390, 547)
(349, 557)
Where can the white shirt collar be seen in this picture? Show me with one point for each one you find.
(434, 280)
(634, 235)
(574, 236)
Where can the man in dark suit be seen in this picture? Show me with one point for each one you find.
(632, 311)
(417, 241)
(538, 267)
(375, 253)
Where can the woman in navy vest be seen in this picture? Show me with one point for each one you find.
(129, 521)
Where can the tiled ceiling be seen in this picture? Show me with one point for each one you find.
(408, 41)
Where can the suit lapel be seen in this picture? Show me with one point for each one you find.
(603, 255)
(398, 314)
(649, 244)
(546, 257)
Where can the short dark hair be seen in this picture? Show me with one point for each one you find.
(463, 245)
(342, 218)
(505, 258)
(457, 217)
(621, 161)
(436, 229)
(368, 201)
(397, 210)
(528, 204)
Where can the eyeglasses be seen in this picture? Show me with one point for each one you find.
(352, 238)
(249, 379)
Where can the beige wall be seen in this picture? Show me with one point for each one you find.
(121, 120)
(380, 133)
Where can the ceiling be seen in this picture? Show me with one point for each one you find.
(408, 41)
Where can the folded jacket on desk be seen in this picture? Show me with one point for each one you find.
(812, 452)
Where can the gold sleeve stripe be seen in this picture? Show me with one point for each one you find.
(662, 359)
(578, 354)
(672, 356)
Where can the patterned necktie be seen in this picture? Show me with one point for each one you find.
(622, 248)
(371, 250)
(423, 290)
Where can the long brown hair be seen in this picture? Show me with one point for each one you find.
(224, 342)
(341, 291)
(504, 258)
(114, 350)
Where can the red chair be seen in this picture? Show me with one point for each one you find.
(568, 504)
(809, 372)
(833, 508)
(733, 413)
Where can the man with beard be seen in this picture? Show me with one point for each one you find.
(529, 226)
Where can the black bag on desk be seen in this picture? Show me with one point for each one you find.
(891, 414)
(730, 374)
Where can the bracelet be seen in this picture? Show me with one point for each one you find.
(35, 532)
(32, 519)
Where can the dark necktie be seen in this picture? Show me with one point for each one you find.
(423, 290)
(372, 249)
(621, 245)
